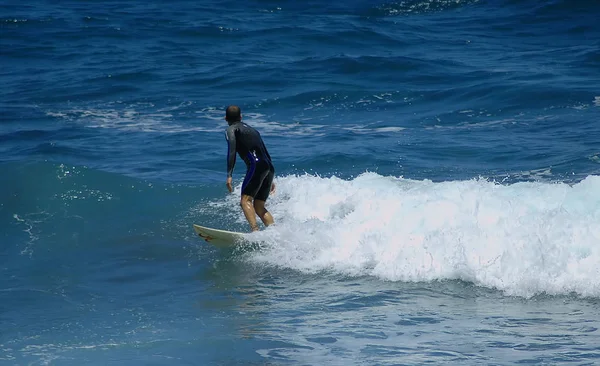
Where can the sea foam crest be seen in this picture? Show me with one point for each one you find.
(523, 239)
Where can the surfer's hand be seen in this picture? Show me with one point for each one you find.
(272, 187)
(229, 186)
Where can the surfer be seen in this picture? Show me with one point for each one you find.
(258, 183)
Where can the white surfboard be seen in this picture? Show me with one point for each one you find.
(219, 238)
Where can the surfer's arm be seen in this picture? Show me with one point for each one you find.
(230, 136)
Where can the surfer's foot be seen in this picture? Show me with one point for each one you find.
(254, 228)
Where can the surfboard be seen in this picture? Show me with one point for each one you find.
(218, 238)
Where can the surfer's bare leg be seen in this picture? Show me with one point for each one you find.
(261, 211)
(248, 208)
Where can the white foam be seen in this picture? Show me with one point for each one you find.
(373, 130)
(523, 239)
(136, 117)
(144, 117)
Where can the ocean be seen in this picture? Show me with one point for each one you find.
(437, 170)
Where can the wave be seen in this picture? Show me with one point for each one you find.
(50, 208)
(523, 239)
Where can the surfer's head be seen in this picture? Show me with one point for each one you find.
(233, 114)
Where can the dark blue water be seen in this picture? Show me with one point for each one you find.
(438, 182)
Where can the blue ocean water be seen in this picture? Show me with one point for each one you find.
(438, 182)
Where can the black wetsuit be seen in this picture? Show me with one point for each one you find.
(246, 141)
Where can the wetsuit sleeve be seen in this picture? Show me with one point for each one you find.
(230, 137)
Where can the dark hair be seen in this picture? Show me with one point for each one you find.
(233, 113)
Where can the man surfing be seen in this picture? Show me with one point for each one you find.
(258, 183)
